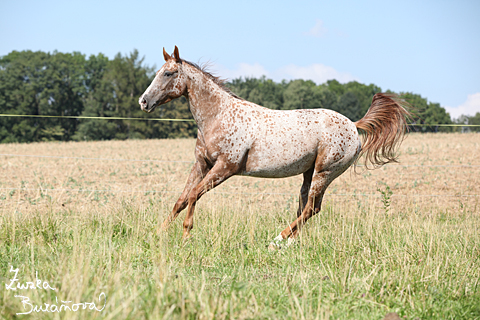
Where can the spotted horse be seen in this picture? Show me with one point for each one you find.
(238, 137)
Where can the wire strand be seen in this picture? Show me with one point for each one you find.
(192, 120)
(97, 118)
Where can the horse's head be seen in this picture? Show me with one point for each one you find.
(169, 83)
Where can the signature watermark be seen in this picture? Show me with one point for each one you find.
(15, 284)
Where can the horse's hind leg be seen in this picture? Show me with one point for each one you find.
(302, 201)
(303, 198)
(319, 183)
(327, 168)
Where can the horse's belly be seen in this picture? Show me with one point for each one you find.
(279, 165)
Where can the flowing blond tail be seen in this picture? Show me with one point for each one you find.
(384, 127)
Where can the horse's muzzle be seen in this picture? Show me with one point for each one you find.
(145, 105)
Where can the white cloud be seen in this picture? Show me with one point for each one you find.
(318, 29)
(470, 107)
(318, 73)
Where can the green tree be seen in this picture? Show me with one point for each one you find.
(129, 79)
(62, 94)
(301, 94)
(427, 114)
(336, 87)
(176, 109)
(364, 94)
(38, 83)
(349, 106)
(327, 98)
(98, 102)
(139, 78)
(476, 121)
(20, 93)
(114, 89)
(68, 84)
(262, 91)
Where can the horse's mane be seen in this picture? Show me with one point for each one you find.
(219, 81)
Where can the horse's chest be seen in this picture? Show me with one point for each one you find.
(231, 145)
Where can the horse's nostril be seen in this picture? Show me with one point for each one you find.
(144, 101)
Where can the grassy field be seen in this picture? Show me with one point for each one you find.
(82, 218)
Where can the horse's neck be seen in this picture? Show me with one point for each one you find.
(206, 98)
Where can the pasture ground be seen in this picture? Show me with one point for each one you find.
(83, 217)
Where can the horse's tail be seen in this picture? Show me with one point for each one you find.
(384, 127)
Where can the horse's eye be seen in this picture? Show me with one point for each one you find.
(168, 74)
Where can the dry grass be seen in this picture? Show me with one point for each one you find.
(436, 171)
(401, 238)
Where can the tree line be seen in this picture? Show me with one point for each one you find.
(70, 84)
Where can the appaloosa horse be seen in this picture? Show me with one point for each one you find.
(237, 137)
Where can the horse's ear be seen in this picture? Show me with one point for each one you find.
(166, 56)
(176, 55)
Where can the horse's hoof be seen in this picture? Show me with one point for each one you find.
(290, 241)
(164, 226)
(274, 247)
(186, 238)
(275, 244)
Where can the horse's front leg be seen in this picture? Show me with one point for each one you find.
(220, 172)
(199, 171)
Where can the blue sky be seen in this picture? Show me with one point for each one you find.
(427, 47)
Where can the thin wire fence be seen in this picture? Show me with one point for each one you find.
(192, 120)
(93, 118)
